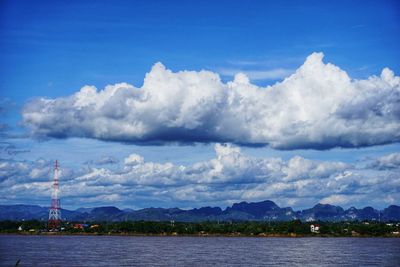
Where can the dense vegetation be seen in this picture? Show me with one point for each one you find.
(291, 228)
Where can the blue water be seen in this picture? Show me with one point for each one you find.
(197, 251)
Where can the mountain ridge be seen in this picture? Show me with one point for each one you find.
(243, 211)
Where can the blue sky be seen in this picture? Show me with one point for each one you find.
(52, 50)
(55, 48)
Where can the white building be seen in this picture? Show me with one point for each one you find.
(314, 228)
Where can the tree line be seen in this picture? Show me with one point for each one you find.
(295, 227)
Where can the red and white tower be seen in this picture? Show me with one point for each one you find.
(55, 209)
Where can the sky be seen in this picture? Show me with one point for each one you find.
(200, 103)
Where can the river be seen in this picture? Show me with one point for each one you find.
(39, 250)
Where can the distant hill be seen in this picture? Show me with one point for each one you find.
(243, 211)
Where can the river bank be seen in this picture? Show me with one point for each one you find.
(261, 235)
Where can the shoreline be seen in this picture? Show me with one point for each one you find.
(201, 235)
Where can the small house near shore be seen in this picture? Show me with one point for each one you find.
(314, 228)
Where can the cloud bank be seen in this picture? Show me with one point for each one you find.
(229, 177)
(319, 107)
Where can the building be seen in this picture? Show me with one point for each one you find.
(80, 226)
(314, 228)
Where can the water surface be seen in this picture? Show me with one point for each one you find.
(197, 251)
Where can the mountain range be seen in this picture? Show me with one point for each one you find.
(243, 211)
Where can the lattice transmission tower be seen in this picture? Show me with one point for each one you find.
(55, 209)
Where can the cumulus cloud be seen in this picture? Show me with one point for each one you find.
(230, 176)
(133, 159)
(319, 106)
(391, 161)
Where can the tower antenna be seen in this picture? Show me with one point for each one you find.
(55, 209)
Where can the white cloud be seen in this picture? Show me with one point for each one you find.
(133, 159)
(230, 177)
(319, 106)
(391, 161)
